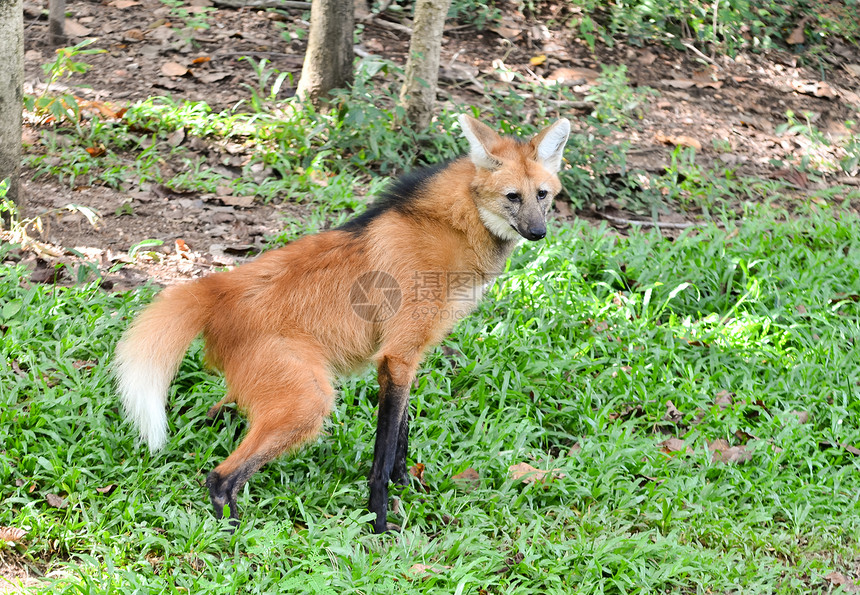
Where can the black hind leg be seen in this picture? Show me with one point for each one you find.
(224, 490)
(400, 473)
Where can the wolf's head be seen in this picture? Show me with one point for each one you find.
(515, 181)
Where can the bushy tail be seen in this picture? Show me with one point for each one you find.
(150, 352)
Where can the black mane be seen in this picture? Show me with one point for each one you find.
(399, 197)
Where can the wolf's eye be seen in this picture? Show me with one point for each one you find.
(541, 194)
(513, 196)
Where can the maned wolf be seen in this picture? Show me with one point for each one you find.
(382, 289)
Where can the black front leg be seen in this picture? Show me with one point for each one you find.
(393, 401)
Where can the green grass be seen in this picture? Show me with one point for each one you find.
(583, 341)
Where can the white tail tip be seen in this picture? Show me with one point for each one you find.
(143, 382)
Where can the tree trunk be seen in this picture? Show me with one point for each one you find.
(11, 105)
(418, 93)
(57, 23)
(328, 60)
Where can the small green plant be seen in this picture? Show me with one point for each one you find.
(690, 186)
(822, 152)
(266, 88)
(62, 108)
(851, 161)
(142, 247)
(475, 12)
(615, 100)
(721, 145)
(194, 18)
(805, 127)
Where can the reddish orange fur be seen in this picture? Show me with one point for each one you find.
(282, 326)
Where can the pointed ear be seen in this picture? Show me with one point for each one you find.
(481, 137)
(549, 144)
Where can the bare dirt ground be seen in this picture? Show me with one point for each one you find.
(730, 107)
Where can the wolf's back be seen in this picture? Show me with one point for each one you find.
(150, 352)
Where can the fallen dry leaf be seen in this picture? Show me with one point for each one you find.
(816, 88)
(73, 28)
(176, 138)
(106, 110)
(646, 58)
(12, 534)
(802, 416)
(689, 83)
(672, 414)
(839, 579)
(56, 501)
(107, 490)
(237, 201)
(679, 83)
(211, 77)
(671, 445)
(841, 297)
(468, 479)
(135, 35)
(628, 412)
(853, 69)
(417, 471)
(573, 76)
(706, 76)
(507, 28)
(183, 250)
(123, 3)
(173, 69)
(743, 436)
(644, 479)
(724, 399)
(529, 474)
(755, 409)
(826, 91)
(678, 141)
(525, 472)
(424, 569)
(723, 453)
(796, 37)
(851, 449)
(792, 176)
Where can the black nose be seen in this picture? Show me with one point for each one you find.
(535, 233)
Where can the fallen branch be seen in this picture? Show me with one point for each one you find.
(583, 105)
(647, 223)
(389, 24)
(263, 4)
(695, 50)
